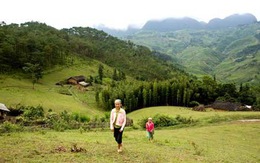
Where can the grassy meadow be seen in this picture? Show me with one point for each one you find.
(217, 137)
(229, 142)
(210, 116)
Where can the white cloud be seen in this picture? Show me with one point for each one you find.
(119, 13)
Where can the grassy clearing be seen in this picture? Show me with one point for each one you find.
(229, 142)
(15, 90)
(210, 116)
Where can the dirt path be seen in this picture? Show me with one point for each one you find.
(249, 120)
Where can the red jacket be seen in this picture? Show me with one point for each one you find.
(149, 126)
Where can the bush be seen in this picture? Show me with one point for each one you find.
(9, 127)
(194, 103)
(84, 118)
(79, 118)
(33, 113)
(159, 121)
(183, 120)
(60, 125)
(165, 121)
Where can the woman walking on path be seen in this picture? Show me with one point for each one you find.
(117, 123)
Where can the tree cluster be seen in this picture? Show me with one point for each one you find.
(39, 44)
(175, 92)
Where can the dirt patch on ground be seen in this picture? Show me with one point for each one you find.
(249, 120)
(246, 121)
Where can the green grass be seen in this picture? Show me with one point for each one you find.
(46, 96)
(16, 91)
(204, 117)
(221, 138)
(229, 142)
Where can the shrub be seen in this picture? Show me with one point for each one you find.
(165, 121)
(10, 127)
(84, 118)
(159, 121)
(33, 113)
(65, 116)
(60, 125)
(75, 116)
(194, 103)
(183, 120)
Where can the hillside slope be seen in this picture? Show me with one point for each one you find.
(18, 91)
(231, 54)
(39, 44)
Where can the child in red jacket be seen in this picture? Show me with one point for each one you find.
(150, 129)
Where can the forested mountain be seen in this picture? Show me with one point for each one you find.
(155, 80)
(225, 48)
(38, 43)
(231, 54)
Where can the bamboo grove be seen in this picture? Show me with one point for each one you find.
(174, 92)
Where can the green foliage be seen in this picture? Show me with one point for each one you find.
(35, 72)
(33, 113)
(232, 54)
(194, 103)
(31, 42)
(100, 73)
(184, 120)
(166, 121)
(174, 92)
(34, 45)
(38, 44)
(65, 120)
(163, 121)
(7, 127)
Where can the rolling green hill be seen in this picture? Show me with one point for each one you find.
(60, 54)
(18, 91)
(34, 57)
(231, 54)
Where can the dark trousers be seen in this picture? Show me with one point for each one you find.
(118, 135)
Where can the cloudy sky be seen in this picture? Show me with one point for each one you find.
(119, 14)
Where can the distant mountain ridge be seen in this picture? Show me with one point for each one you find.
(228, 48)
(231, 21)
(173, 24)
(230, 54)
